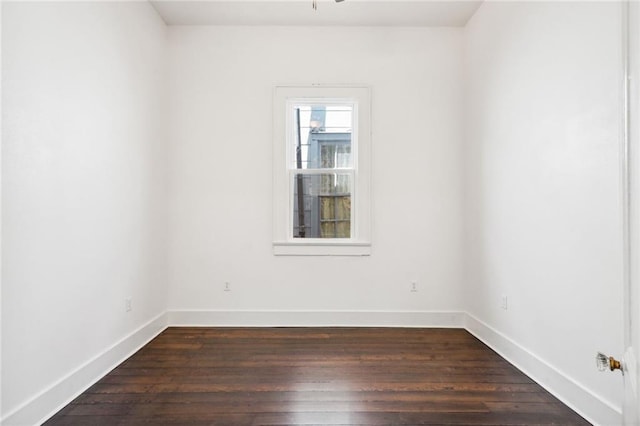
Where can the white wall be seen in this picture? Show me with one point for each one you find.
(222, 80)
(83, 182)
(543, 182)
(632, 292)
(0, 216)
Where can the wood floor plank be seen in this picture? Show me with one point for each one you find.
(329, 376)
(289, 397)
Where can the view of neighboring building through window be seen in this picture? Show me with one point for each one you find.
(323, 173)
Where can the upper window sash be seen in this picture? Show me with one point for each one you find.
(293, 104)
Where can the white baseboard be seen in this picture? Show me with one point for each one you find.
(52, 399)
(183, 318)
(567, 390)
(49, 401)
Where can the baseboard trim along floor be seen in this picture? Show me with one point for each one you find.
(50, 400)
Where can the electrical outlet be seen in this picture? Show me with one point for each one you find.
(503, 302)
(414, 286)
(127, 304)
(227, 286)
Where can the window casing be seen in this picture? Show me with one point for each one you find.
(321, 169)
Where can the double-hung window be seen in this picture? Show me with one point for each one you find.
(322, 156)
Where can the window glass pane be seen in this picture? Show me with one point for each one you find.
(322, 136)
(322, 204)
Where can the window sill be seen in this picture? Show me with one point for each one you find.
(321, 249)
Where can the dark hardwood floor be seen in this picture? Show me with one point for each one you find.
(302, 376)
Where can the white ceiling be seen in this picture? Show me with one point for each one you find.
(300, 12)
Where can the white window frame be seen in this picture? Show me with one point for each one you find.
(359, 243)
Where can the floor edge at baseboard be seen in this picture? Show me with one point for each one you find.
(49, 401)
(265, 318)
(52, 399)
(580, 399)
